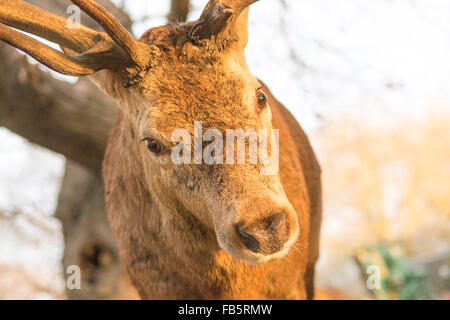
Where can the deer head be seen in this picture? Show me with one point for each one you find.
(173, 77)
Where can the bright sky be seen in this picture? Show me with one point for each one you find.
(372, 58)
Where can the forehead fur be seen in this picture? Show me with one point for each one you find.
(197, 83)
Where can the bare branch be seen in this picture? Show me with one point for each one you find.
(73, 120)
(179, 10)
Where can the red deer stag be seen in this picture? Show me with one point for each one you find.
(190, 231)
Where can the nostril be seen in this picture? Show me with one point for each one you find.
(250, 242)
(276, 222)
(265, 236)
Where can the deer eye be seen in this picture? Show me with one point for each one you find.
(154, 146)
(262, 98)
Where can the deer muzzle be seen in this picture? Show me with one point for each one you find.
(258, 237)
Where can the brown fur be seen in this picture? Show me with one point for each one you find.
(220, 231)
(175, 224)
(181, 259)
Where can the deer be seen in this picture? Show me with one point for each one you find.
(189, 231)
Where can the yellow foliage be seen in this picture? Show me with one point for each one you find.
(386, 183)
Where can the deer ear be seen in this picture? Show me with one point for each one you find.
(224, 23)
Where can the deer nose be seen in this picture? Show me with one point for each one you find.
(265, 236)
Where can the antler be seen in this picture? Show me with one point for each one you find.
(219, 19)
(114, 50)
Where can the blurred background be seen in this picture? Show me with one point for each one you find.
(369, 80)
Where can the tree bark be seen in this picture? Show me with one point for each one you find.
(88, 237)
(73, 120)
(179, 10)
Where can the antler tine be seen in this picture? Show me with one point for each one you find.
(46, 55)
(117, 50)
(219, 19)
(26, 17)
(114, 29)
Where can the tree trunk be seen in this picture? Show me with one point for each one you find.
(88, 238)
(179, 10)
